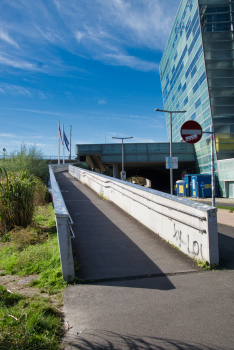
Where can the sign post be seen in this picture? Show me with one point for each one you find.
(191, 132)
(171, 169)
(171, 162)
(123, 175)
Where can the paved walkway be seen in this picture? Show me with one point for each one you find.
(223, 216)
(185, 309)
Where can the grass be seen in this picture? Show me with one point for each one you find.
(28, 323)
(35, 251)
(31, 322)
(231, 209)
(206, 266)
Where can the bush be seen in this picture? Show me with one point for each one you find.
(27, 159)
(18, 194)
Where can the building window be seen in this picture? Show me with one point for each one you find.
(216, 19)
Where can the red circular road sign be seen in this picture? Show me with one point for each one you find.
(191, 131)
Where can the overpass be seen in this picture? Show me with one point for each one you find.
(140, 159)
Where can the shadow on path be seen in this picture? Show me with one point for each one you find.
(226, 246)
(100, 340)
(101, 248)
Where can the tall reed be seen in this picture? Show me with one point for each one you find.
(30, 159)
(17, 199)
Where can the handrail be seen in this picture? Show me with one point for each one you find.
(72, 233)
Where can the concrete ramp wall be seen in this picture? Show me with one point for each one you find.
(190, 226)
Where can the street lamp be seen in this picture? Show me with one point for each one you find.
(171, 170)
(122, 138)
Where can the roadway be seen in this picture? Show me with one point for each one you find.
(139, 292)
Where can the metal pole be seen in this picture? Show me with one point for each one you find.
(63, 145)
(212, 166)
(58, 143)
(171, 170)
(122, 156)
(70, 139)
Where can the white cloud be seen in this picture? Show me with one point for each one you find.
(107, 31)
(79, 36)
(35, 111)
(102, 102)
(17, 64)
(8, 135)
(131, 62)
(14, 89)
(6, 37)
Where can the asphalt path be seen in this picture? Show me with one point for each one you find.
(185, 309)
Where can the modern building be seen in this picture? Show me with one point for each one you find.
(197, 75)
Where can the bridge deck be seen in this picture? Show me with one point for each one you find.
(110, 243)
(193, 311)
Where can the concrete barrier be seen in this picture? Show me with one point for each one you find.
(58, 168)
(64, 230)
(190, 226)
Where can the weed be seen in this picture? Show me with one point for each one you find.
(102, 196)
(231, 209)
(206, 266)
(174, 246)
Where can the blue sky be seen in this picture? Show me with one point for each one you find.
(93, 64)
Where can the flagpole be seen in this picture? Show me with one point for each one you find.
(63, 145)
(70, 139)
(58, 144)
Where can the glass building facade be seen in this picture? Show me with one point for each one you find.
(197, 75)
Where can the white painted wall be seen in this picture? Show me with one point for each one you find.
(190, 226)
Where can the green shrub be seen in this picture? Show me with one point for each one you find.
(18, 194)
(27, 159)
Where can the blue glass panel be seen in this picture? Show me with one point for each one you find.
(200, 81)
(194, 41)
(185, 101)
(197, 103)
(189, 28)
(193, 72)
(184, 87)
(193, 116)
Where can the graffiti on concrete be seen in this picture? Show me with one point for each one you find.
(193, 247)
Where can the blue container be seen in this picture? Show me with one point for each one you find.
(201, 186)
(181, 188)
(187, 180)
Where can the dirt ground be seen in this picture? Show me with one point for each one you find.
(19, 284)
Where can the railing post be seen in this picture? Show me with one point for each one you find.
(65, 247)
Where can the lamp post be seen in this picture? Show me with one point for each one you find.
(122, 138)
(171, 170)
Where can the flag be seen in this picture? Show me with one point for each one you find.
(60, 135)
(66, 141)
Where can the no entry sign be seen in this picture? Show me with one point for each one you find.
(191, 131)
